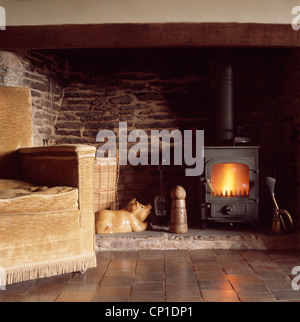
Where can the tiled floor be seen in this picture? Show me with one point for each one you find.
(170, 276)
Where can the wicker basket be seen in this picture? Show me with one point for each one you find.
(106, 175)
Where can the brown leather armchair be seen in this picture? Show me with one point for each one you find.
(47, 224)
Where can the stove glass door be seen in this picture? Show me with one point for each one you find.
(230, 180)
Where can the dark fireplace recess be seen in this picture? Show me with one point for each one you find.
(229, 184)
(78, 92)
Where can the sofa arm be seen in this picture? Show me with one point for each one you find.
(65, 165)
(61, 165)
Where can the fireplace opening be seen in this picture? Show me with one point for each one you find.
(78, 92)
(230, 180)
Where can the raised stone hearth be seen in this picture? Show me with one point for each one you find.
(212, 238)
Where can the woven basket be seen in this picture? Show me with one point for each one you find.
(106, 175)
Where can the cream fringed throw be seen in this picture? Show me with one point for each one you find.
(16, 274)
(25, 241)
(36, 198)
(47, 225)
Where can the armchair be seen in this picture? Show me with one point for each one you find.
(47, 224)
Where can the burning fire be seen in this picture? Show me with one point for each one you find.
(230, 180)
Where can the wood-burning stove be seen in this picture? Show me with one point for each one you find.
(229, 184)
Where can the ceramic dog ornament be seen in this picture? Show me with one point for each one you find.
(129, 219)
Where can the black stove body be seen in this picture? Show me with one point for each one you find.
(229, 184)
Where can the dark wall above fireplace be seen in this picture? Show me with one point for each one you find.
(147, 35)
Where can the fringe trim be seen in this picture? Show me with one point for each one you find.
(20, 273)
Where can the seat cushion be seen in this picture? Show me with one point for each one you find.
(22, 197)
(14, 184)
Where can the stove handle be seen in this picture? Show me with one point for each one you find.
(210, 186)
(230, 209)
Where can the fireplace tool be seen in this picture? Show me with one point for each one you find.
(160, 202)
(282, 220)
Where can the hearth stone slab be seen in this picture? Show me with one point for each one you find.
(197, 239)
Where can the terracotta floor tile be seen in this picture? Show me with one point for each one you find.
(282, 256)
(211, 275)
(215, 285)
(110, 299)
(219, 296)
(208, 268)
(251, 289)
(122, 263)
(76, 296)
(287, 266)
(147, 297)
(93, 275)
(226, 252)
(158, 262)
(263, 265)
(106, 254)
(244, 279)
(202, 254)
(151, 254)
(14, 296)
(46, 289)
(39, 298)
(234, 269)
(118, 291)
(286, 295)
(146, 276)
(126, 254)
(275, 280)
(182, 290)
(177, 253)
(181, 279)
(118, 272)
(150, 266)
(185, 299)
(21, 287)
(281, 276)
(16, 292)
(250, 254)
(257, 298)
(116, 281)
(86, 287)
(78, 293)
(60, 279)
(147, 287)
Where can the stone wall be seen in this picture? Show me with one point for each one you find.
(40, 72)
(137, 91)
(150, 90)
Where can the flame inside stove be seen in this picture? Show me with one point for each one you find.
(230, 180)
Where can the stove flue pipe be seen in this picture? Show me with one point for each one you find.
(224, 96)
